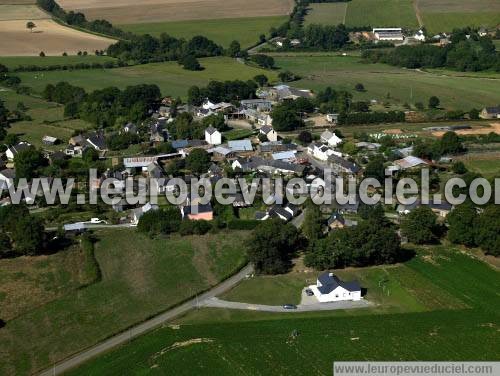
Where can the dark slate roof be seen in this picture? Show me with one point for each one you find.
(210, 130)
(344, 163)
(202, 208)
(493, 110)
(330, 282)
(275, 146)
(266, 129)
(293, 208)
(277, 210)
(98, 140)
(336, 216)
(179, 144)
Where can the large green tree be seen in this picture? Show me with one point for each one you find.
(488, 230)
(420, 226)
(27, 162)
(198, 161)
(462, 225)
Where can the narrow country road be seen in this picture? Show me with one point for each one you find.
(146, 326)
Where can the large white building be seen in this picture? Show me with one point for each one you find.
(213, 136)
(329, 288)
(388, 34)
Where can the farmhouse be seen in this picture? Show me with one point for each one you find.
(139, 212)
(441, 209)
(340, 165)
(49, 140)
(409, 162)
(329, 288)
(281, 92)
(321, 152)
(332, 118)
(213, 136)
(331, 138)
(13, 150)
(490, 113)
(261, 105)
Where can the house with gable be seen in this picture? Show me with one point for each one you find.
(213, 136)
(329, 288)
(269, 132)
(330, 138)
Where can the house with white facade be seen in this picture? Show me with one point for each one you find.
(321, 151)
(213, 136)
(329, 288)
(269, 132)
(13, 150)
(331, 138)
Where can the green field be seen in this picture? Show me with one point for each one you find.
(402, 85)
(381, 13)
(326, 14)
(261, 343)
(140, 277)
(489, 168)
(244, 30)
(47, 120)
(13, 62)
(170, 77)
(445, 15)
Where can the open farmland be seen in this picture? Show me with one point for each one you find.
(170, 77)
(25, 12)
(140, 277)
(244, 30)
(261, 343)
(380, 13)
(48, 36)
(401, 85)
(130, 11)
(326, 14)
(445, 15)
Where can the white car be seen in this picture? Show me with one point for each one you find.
(97, 221)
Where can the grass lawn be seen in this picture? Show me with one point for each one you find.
(488, 167)
(12, 62)
(140, 277)
(244, 30)
(261, 343)
(379, 80)
(326, 14)
(47, 119)
(381, 13)
(170, 77)
(237, 134)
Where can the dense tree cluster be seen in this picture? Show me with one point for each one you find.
(263, 61)
(78, 66)
(286, 116)
(371, 117)
(162, 221)
(198, 161)
(145, 48)
(420, 226)
(272, 245)
(475, 54)
(218, 91)
(449, 144)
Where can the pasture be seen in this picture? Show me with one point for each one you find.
(486, 164)
(262, 343)
(49, 37)
(130, 11)
(445, 15)
(244, 30)
(170, 76)
(13, 62)
(140, 277)
(26, 12)
(47, 119)
(326, 14)
(386, 83)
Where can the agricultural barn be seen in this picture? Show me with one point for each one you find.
(388, 34)
(329, 288)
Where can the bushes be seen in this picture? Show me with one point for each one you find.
(243, 224)
(371, 117)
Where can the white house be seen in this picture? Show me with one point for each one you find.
(138, 213)
(321, 152)
(331, 138)
(332, 118)
(12, 151)
(213, 136)
(207, 104)
(7, 177)
(269, 132)
(419, 35)
(329, 288)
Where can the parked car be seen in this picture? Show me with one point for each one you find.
(309, 292)
(289, 306)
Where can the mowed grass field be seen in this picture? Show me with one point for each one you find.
(169, 76)
(445, 15)
(47, 120)
(326, 14)
(146, 11)
(486, 165)
(244, 30)
(140, 277)
(386, 83)
(374, 13)
(225, 342)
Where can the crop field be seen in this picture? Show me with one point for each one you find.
(130, 11)
(25, 12)
(392, 84)
(445, 15)
(49, 37)
(244, 30)
(170, 77)
(326, 14)
(261, 343)
(140, 277)
(485, 164)
(47, 120)
(381, 13)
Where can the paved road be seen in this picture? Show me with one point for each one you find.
(146, 326)
(218, 303)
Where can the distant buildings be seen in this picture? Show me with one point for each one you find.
(388, 34)
(490, 113)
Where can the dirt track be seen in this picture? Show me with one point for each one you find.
(131, 11)
(49, 37)
(494, 127)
